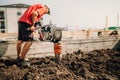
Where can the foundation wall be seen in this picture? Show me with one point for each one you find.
(71, 42)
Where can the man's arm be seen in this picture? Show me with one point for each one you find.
(33, 18)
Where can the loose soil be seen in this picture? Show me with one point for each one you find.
(94, 65)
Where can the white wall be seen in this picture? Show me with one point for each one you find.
(12, 19)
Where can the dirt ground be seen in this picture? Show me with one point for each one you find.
(94, 65)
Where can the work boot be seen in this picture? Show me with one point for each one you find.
(22, 63)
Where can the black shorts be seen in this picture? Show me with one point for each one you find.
(23, 33)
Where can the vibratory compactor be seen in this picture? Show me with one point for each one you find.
(52, 34)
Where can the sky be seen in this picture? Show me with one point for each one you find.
(79, 14)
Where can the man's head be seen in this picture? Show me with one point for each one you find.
(48, 8)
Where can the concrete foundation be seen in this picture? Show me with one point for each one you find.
(40, 49)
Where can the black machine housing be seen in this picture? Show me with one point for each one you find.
(49, 33)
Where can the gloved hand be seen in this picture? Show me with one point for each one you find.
(33, 28)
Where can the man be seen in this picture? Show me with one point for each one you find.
(26, 25)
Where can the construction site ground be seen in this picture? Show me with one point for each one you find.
(93, 65)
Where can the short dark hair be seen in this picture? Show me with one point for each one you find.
(48, 9)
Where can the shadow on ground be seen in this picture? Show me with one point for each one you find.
(3, 47)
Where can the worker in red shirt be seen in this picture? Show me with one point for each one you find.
(26, 25)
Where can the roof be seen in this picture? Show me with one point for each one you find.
(20, 5)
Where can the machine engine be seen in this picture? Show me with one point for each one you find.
(49, 33)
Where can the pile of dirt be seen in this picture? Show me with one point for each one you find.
(94, 65)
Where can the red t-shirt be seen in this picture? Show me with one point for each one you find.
(26, 17)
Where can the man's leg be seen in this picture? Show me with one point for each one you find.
(25, 49)
(23, 36)
(21, 59)
(19, 46)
